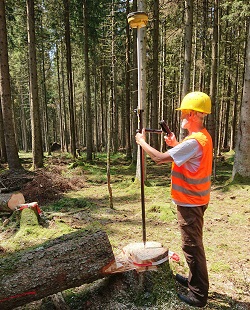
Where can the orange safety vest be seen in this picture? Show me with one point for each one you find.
(194, 187)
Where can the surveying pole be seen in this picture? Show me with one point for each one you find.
(139, 20)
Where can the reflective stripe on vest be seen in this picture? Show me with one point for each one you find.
(189, 192)
(190, 180)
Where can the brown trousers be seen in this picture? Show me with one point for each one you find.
(190, 221)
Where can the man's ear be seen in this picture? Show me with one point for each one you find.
(194, 116)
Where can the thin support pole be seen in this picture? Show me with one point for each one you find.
(139, 20)
(140, 126)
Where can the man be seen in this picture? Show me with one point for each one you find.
(190, 189)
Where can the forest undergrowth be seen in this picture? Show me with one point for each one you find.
(74, 195)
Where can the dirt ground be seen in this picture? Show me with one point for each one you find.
(226, 229)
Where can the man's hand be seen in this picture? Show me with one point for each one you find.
(140, 136)
(171, 140)
(155, 155)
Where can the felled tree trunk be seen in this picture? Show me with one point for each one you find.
(8, 202)
(63, 263)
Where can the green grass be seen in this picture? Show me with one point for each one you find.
(66, 204)
(219, 267)
(226, 228)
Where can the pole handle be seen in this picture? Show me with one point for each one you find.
(165, 127)
(149, 130)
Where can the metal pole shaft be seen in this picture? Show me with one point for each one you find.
(139, 68)
(139, 20)
(140, 126)
(143, 197)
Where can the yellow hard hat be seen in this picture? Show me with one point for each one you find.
(196, 101)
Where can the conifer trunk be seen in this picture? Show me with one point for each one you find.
(9, 144)
(37, 149)
(89, 119)
(241, 167)
(70, 80)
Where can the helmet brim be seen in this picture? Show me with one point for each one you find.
(197, 110)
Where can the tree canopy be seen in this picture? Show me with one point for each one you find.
(78, 66)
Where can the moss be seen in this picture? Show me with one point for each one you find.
(28, 218)
(240, 179)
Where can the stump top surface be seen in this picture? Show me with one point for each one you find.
(152, 252)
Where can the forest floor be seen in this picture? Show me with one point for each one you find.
(74, 195)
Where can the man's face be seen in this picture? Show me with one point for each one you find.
(185, 118)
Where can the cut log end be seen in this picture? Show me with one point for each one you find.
(9, 201)
(15, 200)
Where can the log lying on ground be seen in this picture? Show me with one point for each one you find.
(9, 202)
(63, 263)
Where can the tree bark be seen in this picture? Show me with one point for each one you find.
(3, 154)
(114, 110)
(127, 90)
(59, 302)
(63, 263)
(188, 34)
(60, 107)
(241, 167)
(212, 118)
(47, 136)
(89, 118)
(187, 46)
(37, 149)
(5, 100)
(235, 102)
(24, 129)
(69, 79)
(109, 151)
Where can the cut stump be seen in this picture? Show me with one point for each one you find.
(139, 257)
(151, 254)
